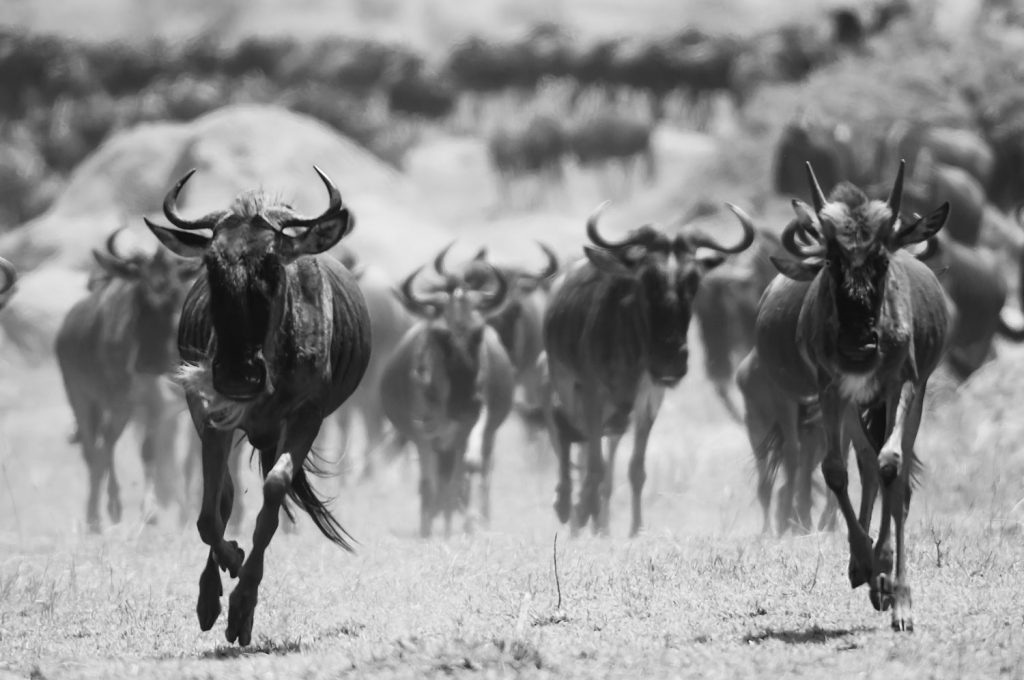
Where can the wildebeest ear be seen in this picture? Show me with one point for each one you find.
(798, 270)
(922, 229)
(181, 243)
(605, 261)
(804, 212)
(318, 238)
(114, 266)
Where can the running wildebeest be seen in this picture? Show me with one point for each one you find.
(519, 321)
(615, 339)
(389, 321)
(274, 336)
(112, 347)
(447, 388)
(860, 323)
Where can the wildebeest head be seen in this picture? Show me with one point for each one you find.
(10, 278)
(851, 238)
(245, 255)
(446, 370)
(659, 275)
(159, 282)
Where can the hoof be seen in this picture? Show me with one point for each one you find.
(858, 574)
(902, 620)
(240, 614)
(235, 557)
(210, 590)
(563, 505)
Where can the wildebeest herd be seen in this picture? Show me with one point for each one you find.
(829, 327)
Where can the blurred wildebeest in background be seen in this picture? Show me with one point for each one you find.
(608, 138)
(274, 336)
(535, 149)
(826, 146)
(447, 388)
(615, 339)
(112, 348)
(419, 91)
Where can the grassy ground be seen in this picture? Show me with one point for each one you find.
(699, 594)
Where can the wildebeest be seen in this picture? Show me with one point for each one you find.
(860, 323)
(726, 310)
(611, 138)
(954, 147)
(447, 387)
(389, 321)
(827, 147)
(112, 346)
(536, 148)
(615, 338)
(519, 321)
(274, 336)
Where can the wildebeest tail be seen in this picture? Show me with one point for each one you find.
(768, 455)
(306, 497)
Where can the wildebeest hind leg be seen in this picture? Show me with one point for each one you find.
(118, 417)
(601, 522)
(561, 440)
(212, 518)
(590, 494)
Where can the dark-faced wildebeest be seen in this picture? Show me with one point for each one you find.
(274, 336)
(112, 347)
(519, 320)
(615, 337)
(861, 324)
(447, 388)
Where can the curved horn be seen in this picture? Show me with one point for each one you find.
(10, 275)
(493, 301)
(596, 237)
(551, 268)
(334, 205)
(111, 244)
(896, 194)
(802, 250)
(700, 240)
(439, 260)
(423, 306)
(171, 208)
(817, 195)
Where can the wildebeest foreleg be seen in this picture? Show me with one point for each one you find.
(895, 467)
(293, 446)
(429, 484)
(217, 499)
(561, 440)
(647, 404)
(611, 450)
(833, 467)
(112, 429)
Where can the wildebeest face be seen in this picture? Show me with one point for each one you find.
(159, 283)
(663, 275)
(245, 259)
(856, 236)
